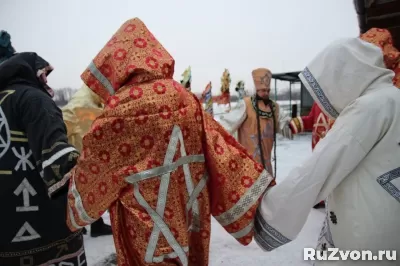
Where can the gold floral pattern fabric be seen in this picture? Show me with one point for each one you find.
(391, 56)
(157, 161)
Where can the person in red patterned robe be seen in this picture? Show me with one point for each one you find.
(157, 161)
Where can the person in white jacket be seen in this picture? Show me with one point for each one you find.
(356, 166)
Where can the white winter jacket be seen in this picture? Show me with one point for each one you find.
(357, 164)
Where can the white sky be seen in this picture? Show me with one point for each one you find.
(209, 35)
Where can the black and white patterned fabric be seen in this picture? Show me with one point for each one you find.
(34, 158)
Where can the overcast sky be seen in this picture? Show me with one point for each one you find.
(208, 35)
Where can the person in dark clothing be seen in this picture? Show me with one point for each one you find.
(6, 48)
(34, 159)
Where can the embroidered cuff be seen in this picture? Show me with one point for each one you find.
(245, 235)
(56, 161)
(247, 200)
(59, 185)
(386, 181)
(266, 236)
(296, 125)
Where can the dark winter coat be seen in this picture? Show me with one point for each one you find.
(34, 158)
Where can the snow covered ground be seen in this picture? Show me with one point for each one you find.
(224, 249)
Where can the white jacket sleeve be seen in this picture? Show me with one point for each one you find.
(283, 122)
(284, 208)
(284, 119)
(233, 120)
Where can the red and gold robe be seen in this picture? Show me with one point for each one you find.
(157, 161)
(316, 121)
(383, 39)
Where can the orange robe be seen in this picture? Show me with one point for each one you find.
(157, 161)
(248, 134)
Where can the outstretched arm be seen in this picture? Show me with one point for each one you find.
(47, 137)
(284, 209)
(303, 123)
(98, 177)
(236, 182)
(283, 123)
(234, 119)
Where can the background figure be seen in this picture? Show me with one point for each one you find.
(225, 97)
(34, 158)
(241, 91)
(260, 121)
(79, 114)
(207, 99)
(187, 79)
(355, 166)
(6, 48)
(157, 161)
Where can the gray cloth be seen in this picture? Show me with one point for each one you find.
(110, 260)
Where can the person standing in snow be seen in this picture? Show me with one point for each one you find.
(356, 165)
(260, 121)
(157, 161)
(34, 158)
(79, 115)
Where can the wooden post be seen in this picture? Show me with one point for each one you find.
(294, 110)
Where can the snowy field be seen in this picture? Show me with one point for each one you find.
(224, 249)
